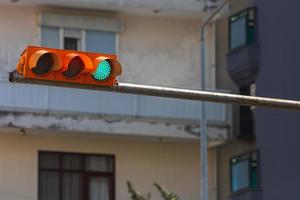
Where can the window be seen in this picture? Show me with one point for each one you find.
(72, 39)
(71, 43)
(247, 125)
(96, 33)
(101, 41)
(242, 29)
(79, 39)
(68, 176)
(243, 170)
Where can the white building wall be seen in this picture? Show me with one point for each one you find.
(175, 165)
(153, 50)
(167, 50)
(160, 51)
(18, 29)
(175, 8)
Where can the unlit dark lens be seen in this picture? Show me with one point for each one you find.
(44, 64)
(74, 68)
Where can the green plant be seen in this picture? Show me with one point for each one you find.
(136, 195)
(166, 195)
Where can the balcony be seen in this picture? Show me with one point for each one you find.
(243, 58)
(243, 64)
(52, 108)
(247, 195)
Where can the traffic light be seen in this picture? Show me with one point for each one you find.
(69, 66)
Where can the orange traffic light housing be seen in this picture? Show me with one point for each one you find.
(69, 66)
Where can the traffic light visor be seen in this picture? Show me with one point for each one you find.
(74, 64)
(42, 62)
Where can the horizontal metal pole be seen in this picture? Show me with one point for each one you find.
(171, 93)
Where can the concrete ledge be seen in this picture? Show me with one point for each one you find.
(109, 125)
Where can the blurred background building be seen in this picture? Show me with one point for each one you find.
(263, 61)
(61, 144)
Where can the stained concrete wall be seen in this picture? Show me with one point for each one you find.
(18, 29)
(167, 49)
(162, 51)
(174, 8)
(153, 50)
(173, 164)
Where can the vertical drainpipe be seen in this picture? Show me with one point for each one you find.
(203, 121)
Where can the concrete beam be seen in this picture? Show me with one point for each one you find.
(106, 125)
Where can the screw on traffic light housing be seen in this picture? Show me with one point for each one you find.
(69, 66)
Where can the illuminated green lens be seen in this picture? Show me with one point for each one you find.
(103, 71)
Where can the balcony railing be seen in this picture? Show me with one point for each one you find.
(34, 98)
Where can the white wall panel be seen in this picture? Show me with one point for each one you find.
(147, 58)
(43, 98)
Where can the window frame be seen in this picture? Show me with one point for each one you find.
(63, 32)
(84, 172)
(247, 12)
(83, 38)
(242, 157)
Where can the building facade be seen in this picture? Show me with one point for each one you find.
(61, 144)
(262, 60)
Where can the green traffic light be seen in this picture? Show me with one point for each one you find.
(103, 71)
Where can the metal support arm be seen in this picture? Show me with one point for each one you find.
(172, 93)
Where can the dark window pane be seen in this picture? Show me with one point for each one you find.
(49, 160)
(246, 123)
(72, 186)
(70, 43)
(240, 175)
(238, 32)
(99, 188)
(49, 186)
(59, 181)
(72, 162)
(253, 178)
(99, 163)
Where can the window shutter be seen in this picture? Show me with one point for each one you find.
(86, 22)
(50, 37)
(101, 41)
